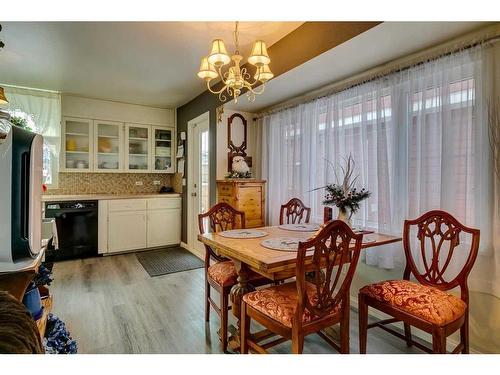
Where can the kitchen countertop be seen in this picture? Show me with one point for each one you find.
(96, 197)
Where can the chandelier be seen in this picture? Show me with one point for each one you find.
(236, 78)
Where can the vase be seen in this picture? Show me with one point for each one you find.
(345, 216)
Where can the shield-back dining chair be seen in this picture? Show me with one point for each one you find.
(426, 303)
(299, 308)
(294, 212)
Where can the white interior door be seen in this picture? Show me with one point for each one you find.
(198, 177)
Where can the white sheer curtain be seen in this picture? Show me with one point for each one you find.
(42, 110)
(419, 139)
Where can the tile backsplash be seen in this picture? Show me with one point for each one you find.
(109, 183)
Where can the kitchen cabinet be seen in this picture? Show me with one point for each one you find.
(163, 150)
(127, 225)
(137, 148)
(77, 145)
(109, 146)
(164, 222)
(108, 156)
(132, 224)
(127, 231)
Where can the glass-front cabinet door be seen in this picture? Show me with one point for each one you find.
(137, 147)
(77, 144)
(163, 143)
(108, 143)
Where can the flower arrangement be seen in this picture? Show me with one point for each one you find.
(234, 174)
(343, 194)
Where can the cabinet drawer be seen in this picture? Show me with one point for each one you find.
(226, 199)
(250, 199)
(225, 189)
(127, 205)
(161, 203)
(253, 213)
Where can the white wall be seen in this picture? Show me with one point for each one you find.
(222, 149)
(76, 106)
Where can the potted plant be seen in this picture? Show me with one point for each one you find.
(343, 194)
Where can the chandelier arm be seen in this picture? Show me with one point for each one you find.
(219, 69)
(255, 92)
(213, 91)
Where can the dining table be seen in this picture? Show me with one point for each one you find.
(249, 254)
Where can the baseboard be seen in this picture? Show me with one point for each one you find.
(192, 250)
(450, 343)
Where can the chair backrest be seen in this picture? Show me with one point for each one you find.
(294, 211)
(336, 253)
(221, 217)
(437, 238)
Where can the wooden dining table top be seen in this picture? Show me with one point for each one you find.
(267, 261)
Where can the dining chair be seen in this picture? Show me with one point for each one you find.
(296, 309)
(426, 303)
(294, 211)
(221, 275)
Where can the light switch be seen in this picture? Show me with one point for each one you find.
(139, 183)
(156, 182)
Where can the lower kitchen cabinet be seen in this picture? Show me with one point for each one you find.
(127, 230)
(164, 227)
(132, 224)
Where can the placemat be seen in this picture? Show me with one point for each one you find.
(243, 233)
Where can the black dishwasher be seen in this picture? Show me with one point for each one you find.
(76, 224)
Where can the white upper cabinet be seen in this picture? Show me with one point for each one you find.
(137, 148)
(163, 150)
(111, 146)
(108, 141)
(77, 144)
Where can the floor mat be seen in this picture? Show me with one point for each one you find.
(168, 260)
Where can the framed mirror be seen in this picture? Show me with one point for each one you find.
(237, 139)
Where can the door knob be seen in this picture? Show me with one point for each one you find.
(193, 194)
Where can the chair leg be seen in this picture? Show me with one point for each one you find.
(464, 335)
(245, 329)
(363, 323)
(438, 341)
(297, 344)
(344, 329)
(224, 317)
(297, 340)
(207, 304)
(408, 334)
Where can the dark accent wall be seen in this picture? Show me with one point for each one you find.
(304, 43)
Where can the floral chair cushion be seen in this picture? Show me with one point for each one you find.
(224, 273)
(280, 302)
(424, 302)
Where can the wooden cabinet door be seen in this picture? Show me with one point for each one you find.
(126, 230)
(164, 227)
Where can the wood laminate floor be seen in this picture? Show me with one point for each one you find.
(111, 305)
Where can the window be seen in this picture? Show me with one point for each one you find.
(40, 111)
(414, 135)
(49, 155)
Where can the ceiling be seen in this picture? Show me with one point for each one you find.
(378, 45)
(148, 63)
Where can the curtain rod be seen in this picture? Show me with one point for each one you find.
(490, 34)
(29, 88)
